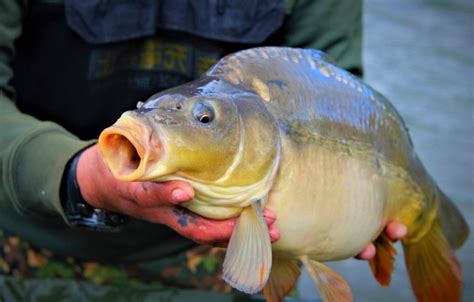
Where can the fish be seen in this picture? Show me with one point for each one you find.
(287, 129)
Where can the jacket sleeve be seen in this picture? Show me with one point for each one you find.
(33, 153)
(334, 27)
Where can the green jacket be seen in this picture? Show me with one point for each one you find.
(34, 152)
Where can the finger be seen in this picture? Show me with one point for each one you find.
(150, 194)
(269, 220)
(395, 230)
(269, 214)
(273, 231)
(193, 226)
(274, 234)
(367, 253)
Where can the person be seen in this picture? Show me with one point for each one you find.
(68, 69)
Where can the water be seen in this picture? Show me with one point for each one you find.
(420, 55)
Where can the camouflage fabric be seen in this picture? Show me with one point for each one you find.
(197, 268)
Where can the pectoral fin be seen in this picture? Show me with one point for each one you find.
(285, 273)
(248, 260)
(332, 287)
(382, 263)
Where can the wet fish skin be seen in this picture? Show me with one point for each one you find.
(288, 130)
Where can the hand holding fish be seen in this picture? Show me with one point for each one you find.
(155, 202)
(393, 230)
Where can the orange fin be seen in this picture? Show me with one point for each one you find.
(435, 273)
(284, 274)
(332, 287)
(382, 263)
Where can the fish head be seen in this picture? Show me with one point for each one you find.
(211, 135)
(194, 137)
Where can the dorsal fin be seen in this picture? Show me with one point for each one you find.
(232, 65)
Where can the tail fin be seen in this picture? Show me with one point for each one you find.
(452, 223)
(435, 273)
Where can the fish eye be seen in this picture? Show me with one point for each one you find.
(203, 113)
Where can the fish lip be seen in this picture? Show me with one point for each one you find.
(128, 148)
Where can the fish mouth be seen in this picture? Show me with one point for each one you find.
(129, 149)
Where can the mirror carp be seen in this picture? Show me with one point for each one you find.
(286, 129)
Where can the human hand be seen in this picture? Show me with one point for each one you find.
(394, 231)
(154, 202)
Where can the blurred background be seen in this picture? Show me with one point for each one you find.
(420, 55)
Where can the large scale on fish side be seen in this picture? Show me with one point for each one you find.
(285, 129)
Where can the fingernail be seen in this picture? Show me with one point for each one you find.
(179, 195)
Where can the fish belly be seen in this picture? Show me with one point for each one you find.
(329, 204)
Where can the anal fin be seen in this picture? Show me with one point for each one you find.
(382, 263)
(332, 287)
(435, 273)
(248, 259)
(283, 277)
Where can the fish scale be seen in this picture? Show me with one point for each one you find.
(319, 82)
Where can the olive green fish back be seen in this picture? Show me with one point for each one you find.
(313, 99)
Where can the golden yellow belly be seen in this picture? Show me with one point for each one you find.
(329, 205)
